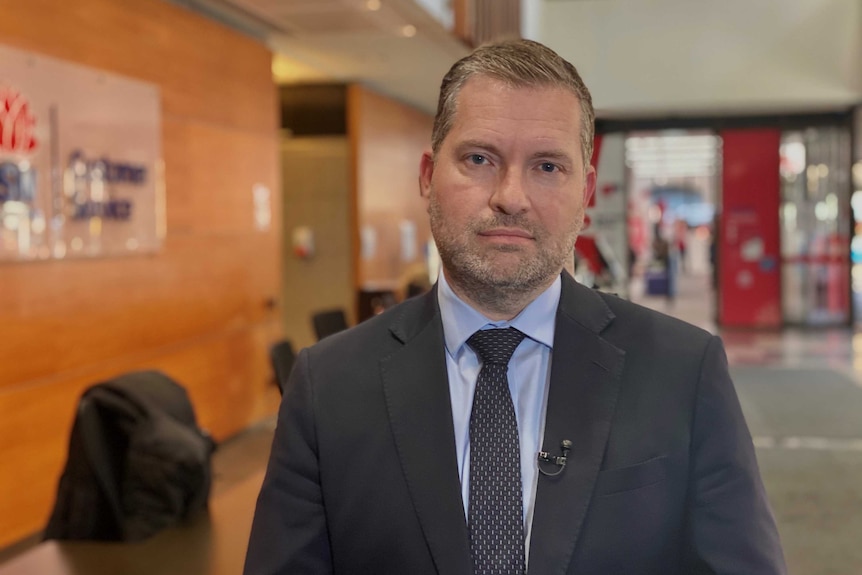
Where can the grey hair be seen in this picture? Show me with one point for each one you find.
(520, 64)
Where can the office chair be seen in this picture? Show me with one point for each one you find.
(329, 322)
(282, 356)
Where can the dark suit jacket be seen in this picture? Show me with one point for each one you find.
(661, 478)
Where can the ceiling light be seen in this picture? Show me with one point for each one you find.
(408, 31)
(372, 5)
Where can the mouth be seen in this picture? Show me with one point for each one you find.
(507, 234)
(507, 239)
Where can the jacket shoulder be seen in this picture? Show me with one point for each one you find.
(635, 323)
(380, 335)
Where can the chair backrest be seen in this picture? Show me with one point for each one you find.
(329, 322)
(282, 356)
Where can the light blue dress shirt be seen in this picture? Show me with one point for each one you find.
(529, 379)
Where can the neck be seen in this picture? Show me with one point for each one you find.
(497, 303)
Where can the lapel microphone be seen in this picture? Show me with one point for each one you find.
(558, 460)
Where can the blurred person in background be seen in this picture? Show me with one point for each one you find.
(663, 255)
(511, 420)
(680, 233)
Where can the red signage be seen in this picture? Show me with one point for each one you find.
(17, 123)
(80, 161)
(749, 274)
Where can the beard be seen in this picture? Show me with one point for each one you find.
(499, 276)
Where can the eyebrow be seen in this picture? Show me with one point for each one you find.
(558, 155)
(478, 144)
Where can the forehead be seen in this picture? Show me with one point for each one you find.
(494, 107)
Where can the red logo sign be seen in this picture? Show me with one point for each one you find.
(17, 122)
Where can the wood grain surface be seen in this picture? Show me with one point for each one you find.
(203, 309)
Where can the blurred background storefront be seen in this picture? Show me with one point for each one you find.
(761, 207)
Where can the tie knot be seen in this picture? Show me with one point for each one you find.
(495, 345)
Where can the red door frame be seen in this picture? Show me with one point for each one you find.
(749, 236)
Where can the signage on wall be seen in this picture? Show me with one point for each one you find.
(80, 161)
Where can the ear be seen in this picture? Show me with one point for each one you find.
(426, 170)
(589, 186)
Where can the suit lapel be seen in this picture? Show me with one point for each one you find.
(416, 387)
(585, 379)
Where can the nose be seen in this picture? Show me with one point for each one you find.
(510, 195)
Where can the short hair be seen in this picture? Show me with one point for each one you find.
(520, 64)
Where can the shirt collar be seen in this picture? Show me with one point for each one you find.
(460, 321)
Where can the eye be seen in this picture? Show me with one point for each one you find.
(477, 159)
(548, 167)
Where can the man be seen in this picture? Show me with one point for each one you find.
(511, 420)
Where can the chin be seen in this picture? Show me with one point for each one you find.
(511, 276)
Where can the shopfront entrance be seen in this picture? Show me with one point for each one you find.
(783, 223)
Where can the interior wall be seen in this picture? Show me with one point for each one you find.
(316, 196)
(387, 140)
(203, 308)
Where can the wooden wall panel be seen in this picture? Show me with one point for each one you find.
(480, 21)
(93, 310)
(202, 309)
(388, 139)
(223, 163)
(205, 70)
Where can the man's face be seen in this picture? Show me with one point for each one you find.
(506, 195)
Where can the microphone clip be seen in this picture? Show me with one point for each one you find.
(558, 460)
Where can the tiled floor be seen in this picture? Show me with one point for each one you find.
(801, 392)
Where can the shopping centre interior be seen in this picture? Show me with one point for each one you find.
(191, 181)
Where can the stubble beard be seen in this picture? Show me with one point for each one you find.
(502, 279)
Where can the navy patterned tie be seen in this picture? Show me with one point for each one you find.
(495, 508)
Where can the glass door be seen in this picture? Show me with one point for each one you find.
(815, 226)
